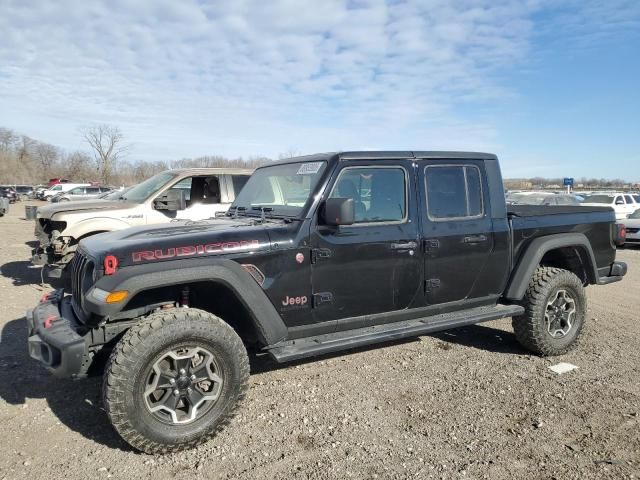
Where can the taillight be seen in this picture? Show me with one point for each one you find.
(110, 264)
(621, 234)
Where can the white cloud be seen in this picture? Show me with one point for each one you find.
(252, 77)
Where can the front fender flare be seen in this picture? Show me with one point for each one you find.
(534, 253)
(269, 325)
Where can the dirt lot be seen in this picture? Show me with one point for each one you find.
(468, 403)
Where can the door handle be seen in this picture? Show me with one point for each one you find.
(403, 245)
(475, 239)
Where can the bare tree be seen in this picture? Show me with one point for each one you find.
(7, 139)
(47, 156)
(108, 147)
(292, 152)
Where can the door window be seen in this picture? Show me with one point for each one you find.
(628, 199)
(185, 185)
(379, 193)
(454, 192)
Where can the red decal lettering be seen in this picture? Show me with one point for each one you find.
(185, 251)
(140, 256)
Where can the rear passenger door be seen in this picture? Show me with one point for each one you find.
(457, 231)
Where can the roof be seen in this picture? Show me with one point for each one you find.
(212, 170)
(386, 154)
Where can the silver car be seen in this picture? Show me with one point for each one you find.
(80, 193)
(632, 226)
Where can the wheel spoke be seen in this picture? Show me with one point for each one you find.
(177, 391)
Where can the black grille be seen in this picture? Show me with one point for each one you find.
(633, 230)
(81, 276)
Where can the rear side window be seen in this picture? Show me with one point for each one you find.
(92, 190)
(378, 193)
(238, 182)
(454, 192)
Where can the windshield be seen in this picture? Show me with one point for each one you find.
(606, 199)
(282, 189)
(144, 190)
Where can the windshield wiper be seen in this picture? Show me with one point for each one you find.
(262, 211)
(236, 209)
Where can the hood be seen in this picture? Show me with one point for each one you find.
(82, 206)
(181, 239)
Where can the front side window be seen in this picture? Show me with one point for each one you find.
(77, 191)
(378, 193)
(628, 199)
(454, 192)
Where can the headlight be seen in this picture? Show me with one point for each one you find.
(109, 297)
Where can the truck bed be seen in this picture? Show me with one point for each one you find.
(529, 222)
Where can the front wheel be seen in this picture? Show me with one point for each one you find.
(555, 309)
(174, 380)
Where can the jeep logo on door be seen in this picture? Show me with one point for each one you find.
(294, 301)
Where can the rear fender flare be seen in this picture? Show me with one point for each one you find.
(534, 253)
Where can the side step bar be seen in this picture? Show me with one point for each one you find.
(333, 342)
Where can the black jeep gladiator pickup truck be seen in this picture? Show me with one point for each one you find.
(317, 254)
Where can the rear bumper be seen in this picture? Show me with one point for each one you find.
(54, 339)
(612, 273)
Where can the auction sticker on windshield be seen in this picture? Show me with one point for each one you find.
(309, 168)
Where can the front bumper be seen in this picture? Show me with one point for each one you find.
(612, 273)
(54, 337)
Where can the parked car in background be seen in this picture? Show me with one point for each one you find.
(115, 194)
(632, 227)
(50, 192)
(24, 191)
(81, 193)
(57, 180)
(541, 198)
(9, 193)
(623, 204)
(4, 206)
(189, 194)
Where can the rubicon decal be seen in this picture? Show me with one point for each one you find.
(191, 250)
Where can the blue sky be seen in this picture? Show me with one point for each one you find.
(550, 86)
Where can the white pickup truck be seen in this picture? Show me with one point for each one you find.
(623, 204)
(188, 194)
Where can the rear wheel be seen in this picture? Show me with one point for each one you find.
(555, 309)
(174, 380)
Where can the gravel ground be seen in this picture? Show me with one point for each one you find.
(467, 403)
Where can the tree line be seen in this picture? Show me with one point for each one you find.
(25, 160)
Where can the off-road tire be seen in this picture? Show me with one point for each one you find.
(125, 376)
(531, 329)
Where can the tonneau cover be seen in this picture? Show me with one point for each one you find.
(538, 210)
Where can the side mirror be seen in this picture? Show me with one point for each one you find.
(339, 211)
(619, 202)
(171, 200)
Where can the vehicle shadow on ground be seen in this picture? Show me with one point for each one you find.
(481, 337)
(22, 273)
(76, 404)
